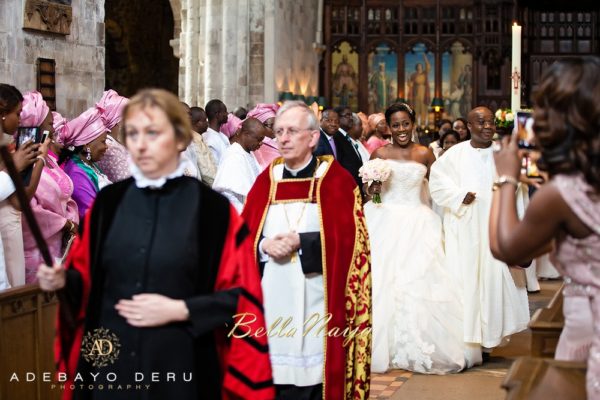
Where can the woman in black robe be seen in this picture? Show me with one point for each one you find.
(162, 266)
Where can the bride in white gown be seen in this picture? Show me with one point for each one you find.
(417, 311)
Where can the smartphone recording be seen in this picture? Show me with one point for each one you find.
(526, 138)
(26, 134)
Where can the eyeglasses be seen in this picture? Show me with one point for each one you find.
(489, 122)
(290, 131)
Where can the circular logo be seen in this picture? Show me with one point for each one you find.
(100, 347)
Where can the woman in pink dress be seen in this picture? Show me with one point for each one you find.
(268, 151)
(379, 132)
(28, 155)
(52, 205)
(567, 209)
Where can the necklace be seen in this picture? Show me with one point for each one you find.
(294, 228)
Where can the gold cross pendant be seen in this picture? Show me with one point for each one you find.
(294, 256)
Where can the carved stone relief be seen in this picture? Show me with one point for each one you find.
(53, 16)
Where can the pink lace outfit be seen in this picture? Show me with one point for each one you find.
(115, 163)
(52, 206)
(579, 261)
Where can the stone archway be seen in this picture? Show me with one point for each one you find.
(138, 41)
(176, 9)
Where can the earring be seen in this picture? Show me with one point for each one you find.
(89, 154)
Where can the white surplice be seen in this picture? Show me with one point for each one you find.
(236, 175)
(217, 142)
(494, 306)
(296, 359)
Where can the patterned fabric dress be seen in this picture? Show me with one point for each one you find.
(579, 260)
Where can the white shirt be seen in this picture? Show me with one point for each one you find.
(6, 186)
(236, 175)
(217, 142)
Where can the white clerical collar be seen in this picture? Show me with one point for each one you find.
(142, 181)
(295, 171)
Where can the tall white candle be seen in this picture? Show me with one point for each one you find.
(515, 70)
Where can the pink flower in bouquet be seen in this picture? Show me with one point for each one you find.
(376, 170)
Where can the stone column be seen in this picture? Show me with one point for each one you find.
(257, 53)
(272, 82)
(212, 49)
(234, 54)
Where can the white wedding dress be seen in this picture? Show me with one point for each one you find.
(417, 311)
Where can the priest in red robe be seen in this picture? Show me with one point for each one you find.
(305, 215)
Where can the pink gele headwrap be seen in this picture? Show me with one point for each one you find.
(231, 126)
(35, 110)
(85, 128)
(60, 127)
(263, 112)
(111, 108)
(375, 119)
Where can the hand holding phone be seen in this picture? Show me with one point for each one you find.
(25, 155)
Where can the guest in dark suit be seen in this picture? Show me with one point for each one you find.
(334, 141)
(330, 124)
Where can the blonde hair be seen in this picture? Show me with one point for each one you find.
(167, 102)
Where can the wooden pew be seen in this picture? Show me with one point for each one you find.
(543, 379)
(27, 326)
(546, 326)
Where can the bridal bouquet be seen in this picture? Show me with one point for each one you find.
(376, 170)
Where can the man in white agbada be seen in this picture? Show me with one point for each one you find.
(217, 141)
(239, 168)
(461, 182)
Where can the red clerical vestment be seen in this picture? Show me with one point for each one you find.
(225, 366)
(346, 267)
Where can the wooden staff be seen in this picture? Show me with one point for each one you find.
(32, 222)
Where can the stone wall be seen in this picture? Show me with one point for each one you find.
(79, 56)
